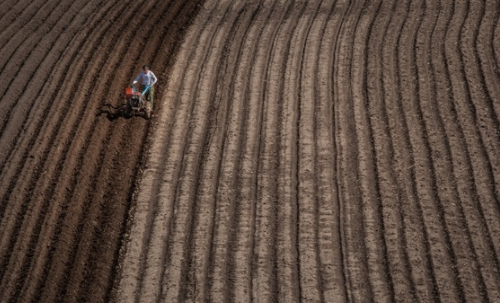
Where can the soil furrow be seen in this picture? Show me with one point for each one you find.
(100, 184)
(188, 202)
(331, 269)
(152, 193)
(22, 63)
(46, 190)
(265, 283)
(287, 213)
(325, 150)
(373, 224)
(460, 238)
(95, 219)
(232, 148)
(8, 8)
(414, 234)
(75, 223)
(24, 176)
(201, 249)
(479, 111)
(243, 266)
(422, 175)
(308, 31)
(483, 117)
(485, 47)
(355, 253)
(159, 254)
(17, 128)
(485, 44)
(17, 31)
(391, 214)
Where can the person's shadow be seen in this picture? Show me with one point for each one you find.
(113, 112)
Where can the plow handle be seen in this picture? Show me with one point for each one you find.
(146, 89)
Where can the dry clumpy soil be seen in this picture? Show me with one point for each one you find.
(300, 151)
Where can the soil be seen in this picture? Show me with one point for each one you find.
(299, 151)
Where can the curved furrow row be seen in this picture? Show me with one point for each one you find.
(19, 67)
(48, 125)
(154, 14)
(18, 154)
(33, 78)
(162, 130)
(309, 32)
(39, 192)
(48, 144)
(443, 258)
(453, 216)
(154, 255)
(151, 218)
(331, 267)
(94, 235)
(312, 150)
(444, 63)
(93, 215)
(53, 154)
(53, 186)
(227, 193)
(415, 237)
(267, 285)
(17, 31)
(487, 163)
(177, 255)
(241, 262)
(52, 182)
(469, 163)
(162, 49)
(496, 42)
(485, 47)
(264, 284)
(195, 285)
(199, 271)
(287, 228)
(188, 197)
(355, 253)
(372, 210)
(8, 8)
(13, 21)
(391, 214)
(30, 127)
(12, 172)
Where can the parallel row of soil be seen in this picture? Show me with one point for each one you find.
(68, 161)
(325, 151)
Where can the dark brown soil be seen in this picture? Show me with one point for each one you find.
(300, 151)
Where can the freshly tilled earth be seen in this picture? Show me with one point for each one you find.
(315, 151)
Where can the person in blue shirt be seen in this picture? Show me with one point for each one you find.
(146, 78)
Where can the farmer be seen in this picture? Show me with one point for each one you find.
(147, 78)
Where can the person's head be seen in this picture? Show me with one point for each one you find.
(145, 68)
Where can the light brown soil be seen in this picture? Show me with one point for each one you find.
(312, 151)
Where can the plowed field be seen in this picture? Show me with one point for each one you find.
(299, 151)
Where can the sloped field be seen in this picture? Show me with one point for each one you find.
(67, 167)
(315, 151)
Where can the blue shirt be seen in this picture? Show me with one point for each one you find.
(146, 79)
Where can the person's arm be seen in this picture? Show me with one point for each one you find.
(137, 78)
(154, 78)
